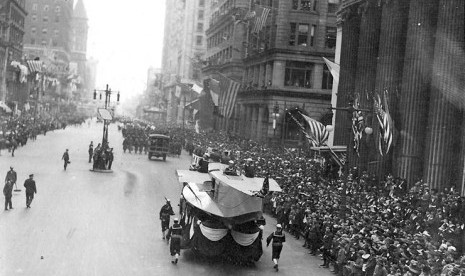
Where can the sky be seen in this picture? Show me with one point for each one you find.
(126, 37)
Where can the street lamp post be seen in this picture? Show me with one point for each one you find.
(106, 122)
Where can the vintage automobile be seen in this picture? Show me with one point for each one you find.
(221, 214)
(158, 146)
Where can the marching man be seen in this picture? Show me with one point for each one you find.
(175, 233)
(278, 238)
(165, 213)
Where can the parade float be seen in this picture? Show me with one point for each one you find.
(222, 214)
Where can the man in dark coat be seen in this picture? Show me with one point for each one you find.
(65, 158)
(278, 238)
(249, 169)
(110, 158)
(175, 234)
(11, 175)
(8, 193)
(30, 186)
(165, 213)
(91, 151)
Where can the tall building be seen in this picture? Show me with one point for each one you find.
(79, 33)
(12, 76)
(48, 30)
(280, 65)
(409, 52)
(184, 48)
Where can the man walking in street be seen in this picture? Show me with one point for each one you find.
(11, 175)
(30, 186)
(175, 234)
(110, 158)
(66, 158)
(165, 213)
(278, 238)
(91, 151)
(8, 193)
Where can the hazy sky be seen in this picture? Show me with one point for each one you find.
(126, 37)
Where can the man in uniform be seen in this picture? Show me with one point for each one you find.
(249, 169)
(203, 163)
(8, 193)
(175, 234)
(91, 151)
(30, 186)
(65, 158)
(110, 158)
(11, 175)
(230, 170)
(278, 238)
(165, 213)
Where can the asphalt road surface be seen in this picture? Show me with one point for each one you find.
(86, 223)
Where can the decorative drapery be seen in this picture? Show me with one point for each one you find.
(243, 238)
(213, 234)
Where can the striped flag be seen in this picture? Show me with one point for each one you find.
(227, 95)
(317, 129)
(260, 19)
(385, 125)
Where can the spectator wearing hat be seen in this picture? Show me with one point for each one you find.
(8, 193)
(31, 189)
(203, 163)
(175, 234)
(278, 238)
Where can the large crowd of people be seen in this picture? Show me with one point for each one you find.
(357, 224)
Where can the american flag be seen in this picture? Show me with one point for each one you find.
(358, 124)
(260, 19)
(227, 95)
(385, 125)
(318, 130)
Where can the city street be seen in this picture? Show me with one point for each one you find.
(86, 223)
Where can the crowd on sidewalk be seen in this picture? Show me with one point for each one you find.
(357, 224)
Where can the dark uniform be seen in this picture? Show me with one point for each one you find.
(8, 193)
(110, 158)
(65, 158)
(278, 238)
(30, 186)
(249, 169)
(203, 165)
(165, 213)
(11, 175)
(91, 152)
(175, 234)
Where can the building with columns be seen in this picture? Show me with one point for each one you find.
(412, 51)
(281, 68)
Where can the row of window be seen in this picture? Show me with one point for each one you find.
(44, 31)
(44, 42)
(302, 34)
(225, 8)
(225, 34)
(45, 8)
(312, 5)
(297, 74)
(45, 19)
(221, 57)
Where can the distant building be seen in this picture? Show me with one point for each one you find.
(79, 33)
(184, 47)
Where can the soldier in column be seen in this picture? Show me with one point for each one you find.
(175, 234)
(278, 238)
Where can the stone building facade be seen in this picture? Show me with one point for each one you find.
(412, 50)
(281, 68)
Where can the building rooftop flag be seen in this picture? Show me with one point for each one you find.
(260, 18)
